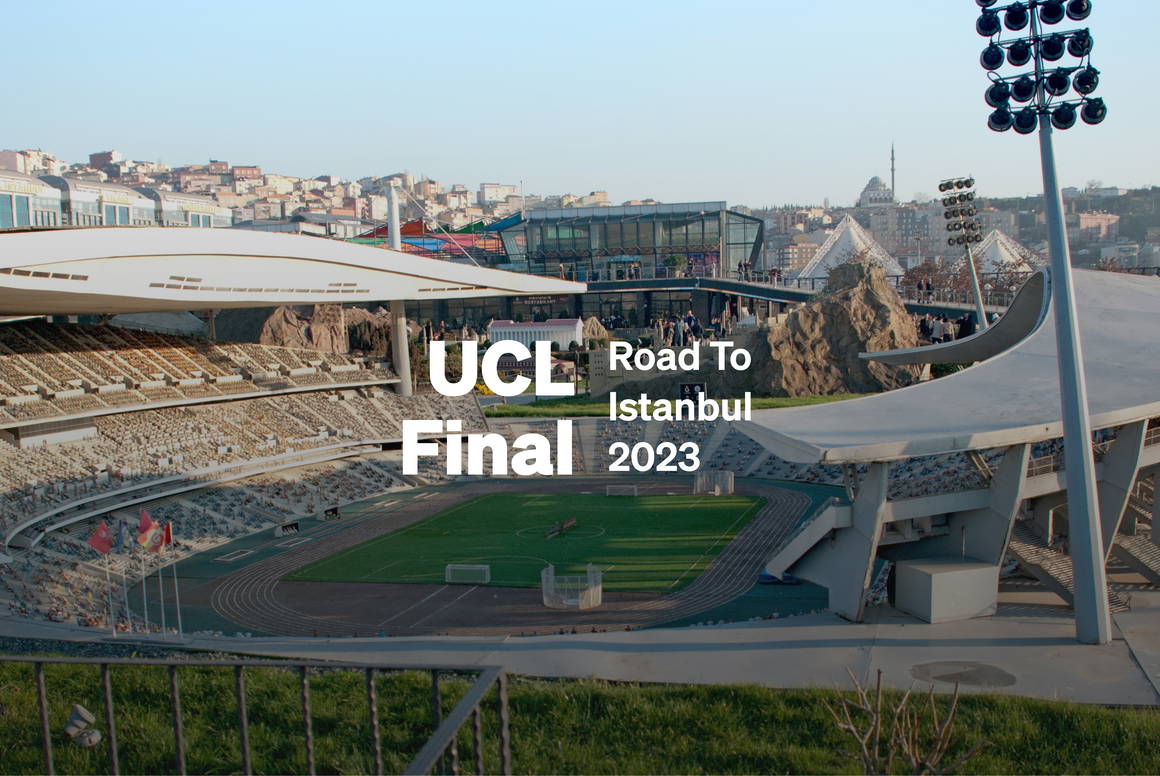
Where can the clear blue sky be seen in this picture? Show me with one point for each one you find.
(753, 102)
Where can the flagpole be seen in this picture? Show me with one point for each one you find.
(176, 592)
(161, 595)
(109, 596)
(144, 594)
(125, 595)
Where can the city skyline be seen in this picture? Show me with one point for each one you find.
(679, 102)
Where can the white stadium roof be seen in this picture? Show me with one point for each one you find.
(847, 241)
(1009, 398)
(115, 270)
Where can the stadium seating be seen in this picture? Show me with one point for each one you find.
(52, 370)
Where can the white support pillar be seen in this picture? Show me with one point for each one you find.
(855, 548)
(401, 348)
(1118, 475)
(986, 531)
(400, 341)
(394, 238)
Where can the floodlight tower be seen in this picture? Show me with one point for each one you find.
(1044, 93)
(959, 201)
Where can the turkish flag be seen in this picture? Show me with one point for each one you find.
(168, 533)
(102, 539)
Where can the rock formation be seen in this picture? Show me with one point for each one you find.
(321, 327)
(813, 350)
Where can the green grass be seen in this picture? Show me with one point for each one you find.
(652, 544)
(583, 407)
(567, 726)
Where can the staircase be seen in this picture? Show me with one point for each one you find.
(1139, 554)
(811, 530)
(1050, 566)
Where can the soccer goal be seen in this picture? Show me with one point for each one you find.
(582, 591)
(620, 490)
(467, 574)
(714, 483)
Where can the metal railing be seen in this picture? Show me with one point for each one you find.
(439, 754)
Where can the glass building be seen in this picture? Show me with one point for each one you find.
(689, 239)
(27, 201)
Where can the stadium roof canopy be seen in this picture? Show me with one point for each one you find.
(1009, 398)
(127, 270)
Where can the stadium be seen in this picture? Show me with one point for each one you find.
(164, 489)
(279, 472)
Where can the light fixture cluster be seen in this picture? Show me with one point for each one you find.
(1041, 92)
(958, 199)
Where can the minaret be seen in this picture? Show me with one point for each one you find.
(893, 191)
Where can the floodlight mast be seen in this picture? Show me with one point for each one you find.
(1092, 616)
(962, 219)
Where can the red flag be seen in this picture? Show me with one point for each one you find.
(148, 527)
(168, 533)
(101, 540)
(156, 538)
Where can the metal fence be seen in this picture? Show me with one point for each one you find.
(439, 754)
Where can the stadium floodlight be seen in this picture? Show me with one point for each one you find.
(1057, 82)
(964, 228)
(1019, 53)
(1086, 80)
(1000, 120)
(1042, 91)
(1078, 10)
(992, 57)
(1023, 89)
(998, 94)
(1026, 121)
(1051, 11)
(1052, 47)
(1080, 43)
(988, 24)
(1017, 17)
(1063, 117)
(1093, 111)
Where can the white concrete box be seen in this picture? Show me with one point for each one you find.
(946, 589)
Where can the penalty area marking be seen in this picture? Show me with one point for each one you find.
(295, 541)
(230, 557)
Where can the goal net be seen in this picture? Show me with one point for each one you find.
(714, 483)
(620, 490)
(584, 591)
(467, 574)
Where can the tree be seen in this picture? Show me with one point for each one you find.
(676, 264)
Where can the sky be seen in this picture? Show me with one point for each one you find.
(756, 103)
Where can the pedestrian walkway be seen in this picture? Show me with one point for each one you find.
(1029, 656)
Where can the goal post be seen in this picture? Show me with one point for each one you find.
(714, 483)
(620, 490)
(580, 591)
(467, 574)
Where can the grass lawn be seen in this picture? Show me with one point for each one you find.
(583, 407)
(565, 726)
(654, 544)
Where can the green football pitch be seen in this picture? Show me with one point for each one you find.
(654, 544)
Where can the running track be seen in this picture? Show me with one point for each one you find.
(248, 596)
